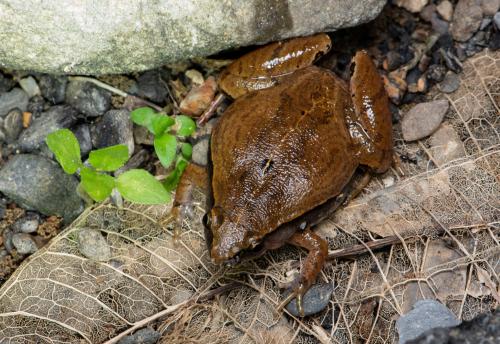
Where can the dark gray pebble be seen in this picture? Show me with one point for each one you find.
(315, 300)
(87, 98)
(450, 83)
(115, 127)
(16, 98)
(82, 133)
(151, 86)
(37, 183)
(6, 83)
(58, 117)
(483, 329)
(425, 315)
(142, 336)
(13, 125)
(36, 105)
(53, 88)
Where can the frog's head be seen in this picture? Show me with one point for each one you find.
(226, 237)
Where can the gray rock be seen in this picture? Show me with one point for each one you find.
(466, 20)
(115, 127)
(99, 37)
(82, 133)
(446, 145)
(450, 84)
(5, 83)
(314, 300)
(7, 239)
(423, 119)
(142, 336)
(27, 224)
(24, 243)
(93, 245)
(151, 86)
(496, 19)
(38, 183)
(425, 315)
(87, 98)
(200, 152)
(489, 7)
(483, 329)
(30, 86)
(13, 125)
(16, 98)
(58, 117)
(53, 88)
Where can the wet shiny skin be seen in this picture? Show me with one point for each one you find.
(280, 152)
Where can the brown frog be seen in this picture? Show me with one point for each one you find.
(283, 157)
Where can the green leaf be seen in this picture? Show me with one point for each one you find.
(109, 158)
(173, 178)
(187, 150)
(160, 123)
(165, 148)
(98, 186)
(140, 186)
(142, 116)
(185, 124)
(66, 148)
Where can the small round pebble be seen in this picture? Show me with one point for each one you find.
(26, 224)
(30, 86)
(13, 125)
(450, 83)
(24, 243)
(87, 98)
(200, 152)
(314, 301)
(93, 245)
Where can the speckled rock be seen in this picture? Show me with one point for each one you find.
(93, 245)
(114, 128)
(57, 117)
(99, 37)
(466, 20)
(425, 315)
(35, 182)
(423, 119)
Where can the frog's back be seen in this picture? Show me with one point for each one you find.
(280, 152)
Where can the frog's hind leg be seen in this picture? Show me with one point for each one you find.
(193, 176)
(318, 252)
(370, 125)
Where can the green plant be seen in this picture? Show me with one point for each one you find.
(169, 133)
(137, 186)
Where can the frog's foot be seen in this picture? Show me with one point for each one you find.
(194, 175)
(318, 251)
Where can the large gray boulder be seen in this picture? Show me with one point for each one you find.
(97, 37)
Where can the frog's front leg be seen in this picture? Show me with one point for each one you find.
(318, 252)
(193, 176)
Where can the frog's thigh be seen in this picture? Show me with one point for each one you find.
(371, 123)
(194, 175)
(318, 251)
